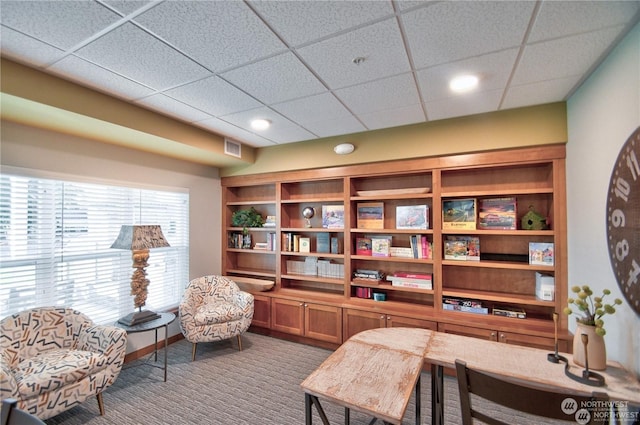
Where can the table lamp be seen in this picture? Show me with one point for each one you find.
(139, 239)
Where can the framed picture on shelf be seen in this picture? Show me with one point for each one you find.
(412, 217)
(370, 215)
(333, 216)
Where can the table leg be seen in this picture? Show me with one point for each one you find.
(418, 402)
(437, 395)
(166, 347)
(308, 417)
(347, 416)
(155, 347)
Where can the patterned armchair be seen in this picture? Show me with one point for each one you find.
(213, 308)
(52, 359)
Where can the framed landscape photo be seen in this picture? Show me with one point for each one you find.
(412, 217)
(370, 215)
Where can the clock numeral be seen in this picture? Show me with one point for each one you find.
(622, 249)
(632, 163)
(633, 273)
(622, 189)
(617, 218)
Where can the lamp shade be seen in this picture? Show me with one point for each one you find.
(140, 237)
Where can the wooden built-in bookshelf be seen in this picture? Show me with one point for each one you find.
(326, 308)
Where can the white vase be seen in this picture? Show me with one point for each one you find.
(596, 349)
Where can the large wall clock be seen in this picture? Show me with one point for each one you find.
(623, 220)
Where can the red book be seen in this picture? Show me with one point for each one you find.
(413, 275)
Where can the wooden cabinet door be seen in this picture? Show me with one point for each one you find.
(261, 311)
(287, 316)
(356, 321)
(531, 341)
(488, 334)
(408, 322)
(323, 322)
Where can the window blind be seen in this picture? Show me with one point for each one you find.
(55, 239)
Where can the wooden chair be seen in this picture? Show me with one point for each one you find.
(11, 415)
(518, 396)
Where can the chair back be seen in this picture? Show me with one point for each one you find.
(519, 396)
(34, 331)
(211, 288)
(11, 415)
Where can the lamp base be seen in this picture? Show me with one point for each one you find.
(138, 317)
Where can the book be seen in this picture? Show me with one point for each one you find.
(509, 311)
(381, 246)
(304, 244)
(336, 246)
(333, 216)
(459, 214)
(545, 286)
(363, 246)
(497, 213)
(322, 242)
(464, 305)
(413, 275)
(370, 215)
(455, 249)
(541, 253)
(270, 221)
(401, 251)
(411, 282)
(412, 217)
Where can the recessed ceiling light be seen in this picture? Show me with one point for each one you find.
(463, 83)
(260, 124)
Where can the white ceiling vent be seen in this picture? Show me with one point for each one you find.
(233, 148)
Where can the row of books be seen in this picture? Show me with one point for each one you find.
(313, 266)
(411, 280)
(381, 246)
(323, 242)
(475, 306)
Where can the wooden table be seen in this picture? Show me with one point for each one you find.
(374, 372)
(515, 362)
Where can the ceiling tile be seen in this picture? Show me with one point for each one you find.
(393, 117)
(563, 57)
(168, 106)
(126, 7)
(91, 75)
(62, 24)
(310, 109)
(381, 44)
(335, 126)
(299, 22)
(27, 50)
(131, 52)
(539, 93)
(450, 31)
(389, 93)
(281, 130)
(214, 96)
(288, 79)
(493, 70)
(217, 34)
(561, 18)
(468, 104)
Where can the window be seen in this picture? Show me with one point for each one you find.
(55, 239)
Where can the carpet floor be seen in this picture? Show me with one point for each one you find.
(257, 386)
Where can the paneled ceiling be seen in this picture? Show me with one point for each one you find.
(316, 68)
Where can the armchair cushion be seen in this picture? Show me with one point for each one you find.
(209, 314)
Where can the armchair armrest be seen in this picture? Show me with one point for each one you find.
(245, 301)
(106, 340)
(8, 384)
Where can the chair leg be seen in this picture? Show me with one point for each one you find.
(100, 403)
(240, 342)
(193, 351)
